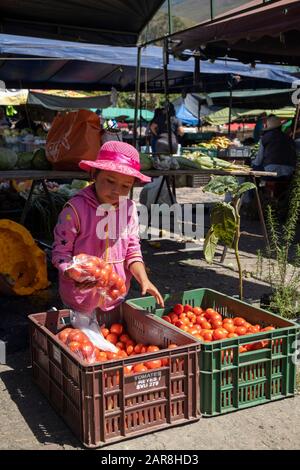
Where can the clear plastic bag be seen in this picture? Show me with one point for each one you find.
(88, 324)
(86, 268)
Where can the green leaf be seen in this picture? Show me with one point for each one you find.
(244, 187)
(210, 246)
(224, 222)
(222, 184)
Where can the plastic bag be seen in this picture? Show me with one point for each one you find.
(73, 137)
(88, 324)
(165, 163)
(150, 190)
(87, 268)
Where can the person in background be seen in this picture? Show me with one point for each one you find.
(4, 121)
(25, 122)
(159, 128)
(152, 134)
(276, 150)
(259, 126)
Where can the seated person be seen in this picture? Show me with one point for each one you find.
(276, 150)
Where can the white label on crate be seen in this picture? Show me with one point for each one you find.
(148, 380)
(56, 354)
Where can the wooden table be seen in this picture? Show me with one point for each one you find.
(168, 178)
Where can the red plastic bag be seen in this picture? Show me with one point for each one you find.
(73, 136)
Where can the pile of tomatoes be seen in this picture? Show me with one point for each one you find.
(209, 325)
(79, 343)
(91, 268)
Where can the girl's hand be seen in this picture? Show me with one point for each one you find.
(148, 287)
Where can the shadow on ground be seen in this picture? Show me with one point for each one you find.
(42, 420)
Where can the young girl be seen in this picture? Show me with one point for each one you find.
(90, 224)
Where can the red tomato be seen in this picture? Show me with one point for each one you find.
(228, 320)
(216, 317)
(187, 308)
(174, 317)
(165, 361)
(63, 335)
(198, 310)
(100, 356)
(268, 328)
(138, 348)
(240, 330)
(111, 355)
(120, 345)
(112, 279)
(74, 346)
(253, 329)
(76, 335)
(124, 338)
(206, 325)
(154, 364)
(139, 368)
(129, 349)
(123, 289)
(116, 328)
(242, 349)
(207, 335)
(114, 294)
(172, 346)
(122, 354)
(112, 338)
(179, 323)
(229, 327)
(152, 348)
(193, 331)
(216, 324)
(128, 370)
(239, 321)
(119, 283)
(219, 333)
(87, 350)
(104, 331)
(178, 309)
(167, 318)
(232, 335)
(184, 328)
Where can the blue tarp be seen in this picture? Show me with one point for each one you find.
(185, 116)
(89, 66)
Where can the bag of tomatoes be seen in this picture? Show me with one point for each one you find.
(99, 275)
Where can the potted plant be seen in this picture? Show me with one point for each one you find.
(283, 259)
(225, 219)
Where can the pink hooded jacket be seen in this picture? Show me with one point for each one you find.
(84, 227)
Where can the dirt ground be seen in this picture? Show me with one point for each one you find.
(29, 422)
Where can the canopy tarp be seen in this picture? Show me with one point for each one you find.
(99, 22)
(222, 116)
(65, 65)
(251, 98)
(126, 113)
(52, 101)
(284, 113)
(270, 33)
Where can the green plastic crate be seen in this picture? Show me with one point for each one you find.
(230, 380)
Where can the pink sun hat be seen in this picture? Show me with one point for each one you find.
(119, 157)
